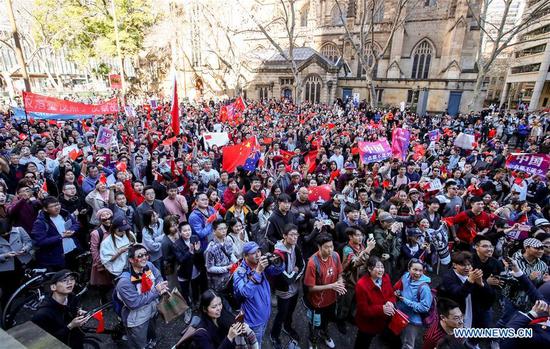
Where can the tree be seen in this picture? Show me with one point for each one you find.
(285, 20)
(500, 36)
(88, 26)
(363, 42)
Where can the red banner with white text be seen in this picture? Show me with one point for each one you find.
(43, 104)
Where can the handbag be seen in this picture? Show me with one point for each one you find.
(172, 305)
(398, 322)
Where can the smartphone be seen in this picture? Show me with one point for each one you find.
(371, 236)
(194, 239)
(239, 317)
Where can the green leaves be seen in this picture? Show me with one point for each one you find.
(86, 28)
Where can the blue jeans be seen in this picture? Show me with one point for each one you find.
(259, 332)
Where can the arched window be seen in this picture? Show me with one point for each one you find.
(335, 15)
(422, 58)
(371, 62)
(330, 51)
(303, 16)
(313, 86)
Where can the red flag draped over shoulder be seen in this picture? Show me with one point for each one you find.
(175, 111)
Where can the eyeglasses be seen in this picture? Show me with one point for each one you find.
(141, 255)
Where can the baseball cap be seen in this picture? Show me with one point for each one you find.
(121, 223)
(386, 217)
(250, 247)
(532, 242)
(62, 274)
(413, 232)
(541, 222)
(295, 174)
(350, 166)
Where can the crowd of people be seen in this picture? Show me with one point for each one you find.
(443, 237)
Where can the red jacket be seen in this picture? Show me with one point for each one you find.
(469, 224)
(370, 317)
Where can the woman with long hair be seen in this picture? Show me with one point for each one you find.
(238, 234)
(167, 245)
(152, 234)
(241, 211)
(213, 333)
(113, 249)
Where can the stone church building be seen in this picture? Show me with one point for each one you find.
(429, 64)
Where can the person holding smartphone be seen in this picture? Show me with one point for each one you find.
(59, 313)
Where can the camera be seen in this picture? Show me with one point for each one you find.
(273, 259)
(194, 239)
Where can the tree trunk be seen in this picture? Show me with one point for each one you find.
(476, 100)
(9, 84)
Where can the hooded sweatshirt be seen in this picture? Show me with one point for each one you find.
(415, 301)
(286, 284)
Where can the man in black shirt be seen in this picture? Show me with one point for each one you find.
(59, 314)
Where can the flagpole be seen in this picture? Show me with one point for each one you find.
(27, 119)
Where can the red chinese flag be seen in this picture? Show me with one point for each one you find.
(103, 179)
(287, 155)
(223, 114)
(239, 104)
(310, 160)
(45, 186)
(385, 183)
(100, 321)
(73, 154)
(321, 191)
(236, 155)
(175, 111)
(146, 284)
(121, 166)
(218, 206)
(212, 218)
(334, 175)
(169, 141)
(355, 151)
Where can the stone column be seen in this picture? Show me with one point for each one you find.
(504, 94)
(541, 79)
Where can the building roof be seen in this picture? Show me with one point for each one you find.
(300, 54)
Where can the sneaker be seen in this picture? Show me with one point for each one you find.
(276, 343)
(291, 333)
(341, 326)
(328, 341)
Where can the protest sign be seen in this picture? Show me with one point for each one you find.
(400, 142)
(536, 164)
(374, 151)
(105, 138)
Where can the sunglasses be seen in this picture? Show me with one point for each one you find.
(142, 255)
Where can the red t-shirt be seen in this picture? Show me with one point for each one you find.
(330, 271)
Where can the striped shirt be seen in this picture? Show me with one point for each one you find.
(433, 335)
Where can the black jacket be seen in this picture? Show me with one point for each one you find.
(482, 297)
(186, 259)
(212, 337)
(53, 318)
(276, 225)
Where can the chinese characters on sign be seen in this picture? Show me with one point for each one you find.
(374, 151)
(536, 164)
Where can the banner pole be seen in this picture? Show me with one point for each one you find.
(27, 118)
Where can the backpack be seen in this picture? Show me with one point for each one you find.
(431, 316)
(117, 303)
(317, 264)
